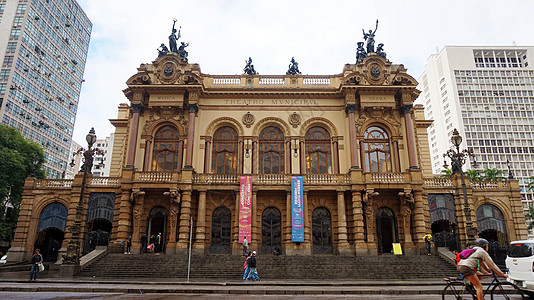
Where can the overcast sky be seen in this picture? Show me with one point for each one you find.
(321, 35)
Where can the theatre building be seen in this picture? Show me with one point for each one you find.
(219, 154)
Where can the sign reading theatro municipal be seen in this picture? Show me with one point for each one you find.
(297, 164)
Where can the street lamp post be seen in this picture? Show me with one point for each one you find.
(72, 256)
(510, 175)
(458, 159)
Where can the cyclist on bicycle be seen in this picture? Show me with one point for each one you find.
(477, 264)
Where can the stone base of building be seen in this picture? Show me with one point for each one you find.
(18, 254)
(68, 271)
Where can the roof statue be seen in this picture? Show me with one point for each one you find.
(173, 38)
(249, 67)
(370, 37)
(293, 67)
(362, 52)
(162, 50)
(182, 54)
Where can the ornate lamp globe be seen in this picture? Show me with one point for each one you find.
(91, 137)
(456, 139)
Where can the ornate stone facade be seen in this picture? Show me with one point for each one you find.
(356, 138)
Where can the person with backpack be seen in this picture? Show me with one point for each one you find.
(475, 262)
(253, 272)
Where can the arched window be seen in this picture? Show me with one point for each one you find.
(53, 215)
(377, 151)
(271, 158)
(225, 151)
(166, 150)
(318, 153)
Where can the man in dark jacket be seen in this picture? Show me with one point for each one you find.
(144, 242)
(253, 273)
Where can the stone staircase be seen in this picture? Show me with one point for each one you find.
(228, 267)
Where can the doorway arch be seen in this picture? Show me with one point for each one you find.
(443, 221)
(492, 227)
(221, 221)
(157, 223)
(322, 231)
(99, 220)
(51, 230)
(386, 230)
(271, 230)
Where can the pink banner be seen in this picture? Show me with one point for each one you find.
(245, 208)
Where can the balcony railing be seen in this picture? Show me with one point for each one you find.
(156, 176)
(53, 183)
(438, 182)
(489, 185)
(272, 179)
(104, 181)
(385, 177)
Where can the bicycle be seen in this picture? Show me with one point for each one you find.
(461, 288)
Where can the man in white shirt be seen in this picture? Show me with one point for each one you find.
(245, 245)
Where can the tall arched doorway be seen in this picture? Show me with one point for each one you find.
(491, 226)
(443, 221)
(221, 221)
(157, 223)
(99, 220)
(386, 230)
(51, 230)
(322, 231)
(271, 230)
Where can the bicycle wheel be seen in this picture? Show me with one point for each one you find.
(506, 290)
(456, 291)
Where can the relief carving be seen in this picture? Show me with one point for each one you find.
(294, 119)
(164, 114)
(248, 119)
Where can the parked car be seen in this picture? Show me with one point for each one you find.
(3, 260)
(520, 264)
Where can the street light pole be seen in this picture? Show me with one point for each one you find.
(72, 256)
(458, 159)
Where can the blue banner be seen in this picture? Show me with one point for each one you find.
(297, 209)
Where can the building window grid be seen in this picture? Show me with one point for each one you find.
(494, 103)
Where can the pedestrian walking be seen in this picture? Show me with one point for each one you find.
(128, 245)
(152, 243)
(245, 246)
(253, 272)
(37, 260)
(246, 268)
(158, 243)
(144, 242)
(428, 242)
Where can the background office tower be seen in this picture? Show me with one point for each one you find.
(102, 163)
(43, 50)
(487, 93)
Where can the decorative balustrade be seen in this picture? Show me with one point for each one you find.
(271, 179)
(104, 181)
(227, 81)
(322, 179)
(438, 182)
(386, 177)
(53, 183)
(488, 185)
(271, 81)
(156, 176)
(316, 81)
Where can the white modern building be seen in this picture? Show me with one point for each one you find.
(75, 163)
(487, 93)
(102, 163)
(43, 50)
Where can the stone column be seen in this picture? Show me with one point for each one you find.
(138, 199)
(207, 155)
(184, 226)
(255, 227)
(240, 156)
(255, 154)
(193, 109)
(134, 130)
(410, 136)
(287, 160)
(362, 157)
(146, 164)
(302, 157)
(288, 247)
(173, 220)
(180, 154)
(236, 247)
(308, 238)
(396, 161)
(419, 220)
(335, 155)
(200, 237)
(350, 109)
(360, 247)
(343, 245)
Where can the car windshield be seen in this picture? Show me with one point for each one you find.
(521, 250)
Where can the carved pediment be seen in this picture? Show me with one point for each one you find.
(376, 70)
(169, 69)
(173, 114)
(378, 114)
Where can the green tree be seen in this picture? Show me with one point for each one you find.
(17, 156)
(447, 173)
(531, 183)
(492, 175)
(529, 215)
(473, 175)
